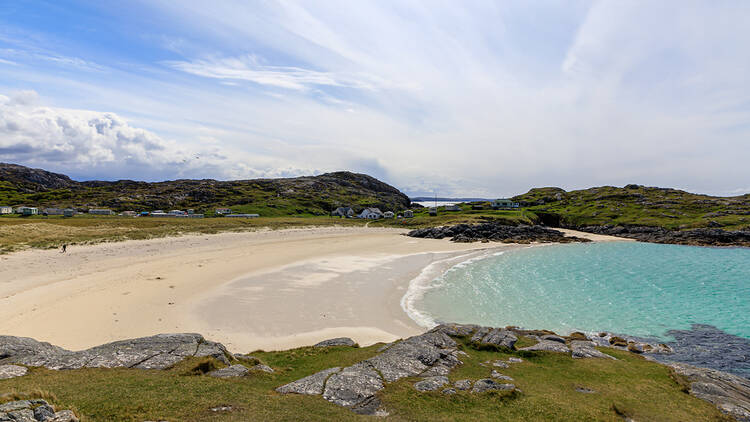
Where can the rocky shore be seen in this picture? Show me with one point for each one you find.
(697, 237)
(430, 358)
(495, 232)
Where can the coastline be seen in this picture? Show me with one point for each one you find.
(100, 293)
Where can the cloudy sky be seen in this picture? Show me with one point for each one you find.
(473, 98)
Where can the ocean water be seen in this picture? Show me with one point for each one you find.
(632, 288)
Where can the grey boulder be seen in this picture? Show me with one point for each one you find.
(310, 385)
(340, 341)
(500, 376)
(233, 371)
(487, 384)
(547, 346)
(12, 371)
(585, 349)
(495, 336)
(462, 385)
(353, 385)
(155, 352)
(431, 384)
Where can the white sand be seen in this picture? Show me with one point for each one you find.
(257, 290)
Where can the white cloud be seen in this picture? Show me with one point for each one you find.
(467, 98)
(246, 68)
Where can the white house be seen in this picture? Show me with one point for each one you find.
(129, 213)
(347, 212)
(101, 211)
(69, 212)
(388, 214)
(6, 210)
(371, 213)
(408, 214)
(504, 204)
(223, 211)
(27, 211)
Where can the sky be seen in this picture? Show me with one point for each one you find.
(454, 98)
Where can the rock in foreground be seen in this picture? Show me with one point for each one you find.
(35, 410)
(156, 352)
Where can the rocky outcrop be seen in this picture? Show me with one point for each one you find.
(156, 352)
(495, 232)
(586, 349)
(356, 386)
(699, 237)
(548, 346)
(497, 337)
(340, 341)
(232, 371)
(431, 383)
(487, 384)
(12, 371)
(35, 410)
(730, 393)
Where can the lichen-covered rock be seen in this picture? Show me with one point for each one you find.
(495, 336)
(730, 393)
(497, 375)
(35, 410)
(514, 359)
(155, 352)
(500, 364)
(263, 368)
(310, 385)
(462, 385)
(487, 384)
(353, 385)
(233, 371)
(12, 371)
(456, 330)
(415, 355)
(548, 346)
(585, 349)
(449, 391)
(340, 341)
(431, 384)
(552, 337)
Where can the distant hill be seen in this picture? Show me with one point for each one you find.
(443, 199)
(636, 205)
(312, 195)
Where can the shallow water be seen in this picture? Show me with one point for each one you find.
(636, 288)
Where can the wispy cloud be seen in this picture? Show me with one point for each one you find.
(475, 98)
(246, 68)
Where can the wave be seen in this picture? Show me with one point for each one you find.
(431, 277)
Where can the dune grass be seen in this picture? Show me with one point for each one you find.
(629, 386)
(18, 233)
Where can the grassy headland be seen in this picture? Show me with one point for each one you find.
(639, 206)
(628, 387)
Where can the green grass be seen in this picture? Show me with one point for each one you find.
(669, 208)
(466, 215)
(50, 232)
(631, 385)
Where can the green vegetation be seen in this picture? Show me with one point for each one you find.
(637, 205)
(630, 386)
(50, 232)
(301, 196)
(466, 215)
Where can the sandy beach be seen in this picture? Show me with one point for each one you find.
(266, 290)
(253, 290)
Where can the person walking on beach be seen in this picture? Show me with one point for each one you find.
(64, 248)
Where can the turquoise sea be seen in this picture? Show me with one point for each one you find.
(633, 288)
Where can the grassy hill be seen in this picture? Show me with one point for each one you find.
(311, 196)
(630, 387)
(636, 205)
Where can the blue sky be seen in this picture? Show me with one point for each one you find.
(473, 98)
